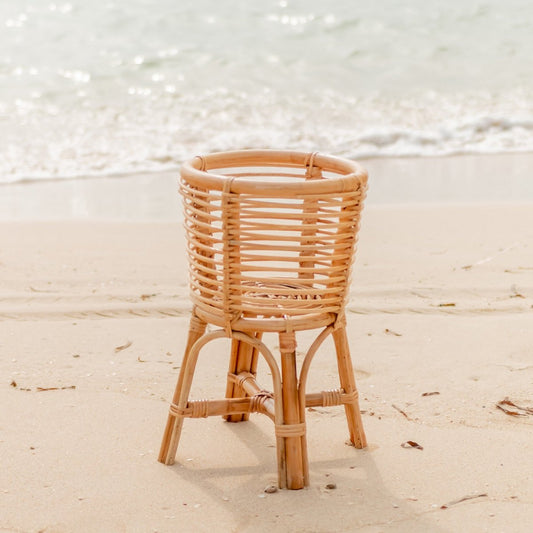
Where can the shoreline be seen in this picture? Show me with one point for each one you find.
(448, 180)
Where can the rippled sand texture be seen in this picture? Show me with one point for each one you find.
(92, 325)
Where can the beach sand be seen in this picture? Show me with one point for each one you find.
(93, 319)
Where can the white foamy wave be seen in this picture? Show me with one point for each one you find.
(129, 86)
(151, 134)
(485, 135)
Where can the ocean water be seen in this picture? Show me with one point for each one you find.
(123, 87)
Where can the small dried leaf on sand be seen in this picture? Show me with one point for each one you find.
(510, 408)
(44, 389)
(463, 499)
(123, 347)
(401, 411)
(411, 444)
(33, 289)
(390, 332)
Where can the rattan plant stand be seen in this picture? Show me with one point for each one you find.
(270, 239)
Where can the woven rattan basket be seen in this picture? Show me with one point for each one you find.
(271, 238)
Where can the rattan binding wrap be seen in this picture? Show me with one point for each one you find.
(271, 251)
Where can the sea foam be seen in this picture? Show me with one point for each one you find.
(105, 88)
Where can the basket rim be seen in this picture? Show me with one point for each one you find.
(350, 174)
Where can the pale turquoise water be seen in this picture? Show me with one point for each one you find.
(105, 87)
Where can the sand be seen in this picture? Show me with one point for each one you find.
(467, 179)
(95, 312)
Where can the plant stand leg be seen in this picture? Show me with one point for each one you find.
(347, 381)
(243, 358)
(172, 433)
(292, 430)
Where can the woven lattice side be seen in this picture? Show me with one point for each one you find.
(259, 255)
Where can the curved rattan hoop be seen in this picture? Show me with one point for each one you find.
(271, 237)
(199, 171)
(197, 347)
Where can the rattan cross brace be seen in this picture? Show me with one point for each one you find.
(261, 402)
(271, 240)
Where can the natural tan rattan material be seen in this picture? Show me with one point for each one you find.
(271, 239)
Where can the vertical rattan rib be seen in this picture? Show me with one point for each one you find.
(270, 241)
